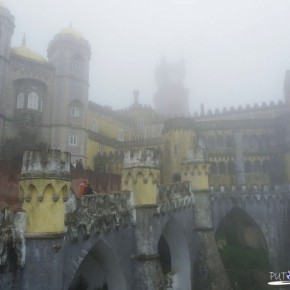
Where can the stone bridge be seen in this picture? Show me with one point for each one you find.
(148, 236)
(103, 236)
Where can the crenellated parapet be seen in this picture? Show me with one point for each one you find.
(101, 212)
(44, 184)
(239, 110)
(51, 164)
(140, 158)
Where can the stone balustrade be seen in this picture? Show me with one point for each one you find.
(100, 212)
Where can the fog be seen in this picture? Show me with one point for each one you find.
(236, 51)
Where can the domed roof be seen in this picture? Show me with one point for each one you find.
(71, 31)
(24, 51)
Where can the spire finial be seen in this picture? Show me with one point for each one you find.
(24, 39)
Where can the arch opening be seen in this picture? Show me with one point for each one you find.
(243, 250)
(175, 257)
(100, 270)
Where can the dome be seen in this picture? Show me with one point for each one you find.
(70, 31)
(28, 53)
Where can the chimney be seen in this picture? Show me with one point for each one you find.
(136, 96)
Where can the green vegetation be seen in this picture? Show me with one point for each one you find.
(247, 267)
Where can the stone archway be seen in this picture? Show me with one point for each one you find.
(100, 270)
(174, 255)
(243, 250)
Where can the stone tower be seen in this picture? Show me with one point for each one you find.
(140, 175)
(70, 53)
(171, 98)
(43, 187)
(6, 31)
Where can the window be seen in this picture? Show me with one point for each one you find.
(76, 64)
(75, 111)
(20, 101)
(231, 167)
(101, 149)
(257, 166)
(222, 167)
(248, 166)
(73, 140)
(33, 101)
(140, 122)
(121, 135)
(94, 125)
(138, 137)
(213, 168)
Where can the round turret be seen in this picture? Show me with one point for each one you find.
(69, 52)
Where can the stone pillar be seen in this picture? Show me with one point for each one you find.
(140, 175)
(43, 187)
(211, 273)
(239, 160)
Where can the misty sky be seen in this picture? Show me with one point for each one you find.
(236, 51)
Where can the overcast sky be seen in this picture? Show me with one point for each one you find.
(236, 51)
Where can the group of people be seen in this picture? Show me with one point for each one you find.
(85, 189)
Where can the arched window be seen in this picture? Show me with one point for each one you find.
(220, 141)
(231, 167)
(211, 142)
(76, 64)
(248, 166)
(33, 101)
(213, 168)
(229, 141)
(121, 135)
(73, 140)
(246, 141)
(94, 125)
(75, 111)
(140, 123)
(222, 167)
(254, 141)
(257, 167)
(266, 166)
(20, 101)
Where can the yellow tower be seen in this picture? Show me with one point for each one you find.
(195, 169)
(179, 137)
(141, 175)
(43, 187)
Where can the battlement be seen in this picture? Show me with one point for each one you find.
(241, 110)
(51, 164)
(140, 158)
(262, 189)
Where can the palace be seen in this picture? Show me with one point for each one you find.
(195, 202)
(44, 105)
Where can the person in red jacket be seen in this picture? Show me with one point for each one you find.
(83, 187)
